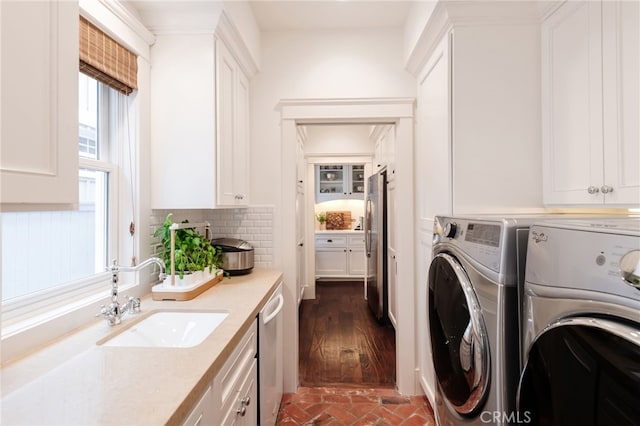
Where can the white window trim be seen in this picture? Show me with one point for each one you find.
(33, 320)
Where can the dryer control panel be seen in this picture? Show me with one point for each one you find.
(586, 259)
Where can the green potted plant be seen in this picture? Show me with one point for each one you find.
(193, 252)
(321, 217)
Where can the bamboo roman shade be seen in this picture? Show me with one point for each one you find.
(106, 60)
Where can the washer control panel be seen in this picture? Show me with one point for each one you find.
(478, 239)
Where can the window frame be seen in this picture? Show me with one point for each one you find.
(67, 303)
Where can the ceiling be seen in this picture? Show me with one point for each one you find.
(329, 14)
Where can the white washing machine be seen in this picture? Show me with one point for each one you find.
(477, 265)
(581, 336)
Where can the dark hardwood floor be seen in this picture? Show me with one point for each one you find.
(341, 343)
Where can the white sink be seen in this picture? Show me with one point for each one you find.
(177, 329)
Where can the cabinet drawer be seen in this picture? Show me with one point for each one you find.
(331, 241)
(356, 241)
(235, 369)
(241, 409)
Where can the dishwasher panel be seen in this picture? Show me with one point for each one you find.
(270, 350)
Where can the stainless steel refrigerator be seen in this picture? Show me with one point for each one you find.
(375, 229)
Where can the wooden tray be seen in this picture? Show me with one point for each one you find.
(188, 294)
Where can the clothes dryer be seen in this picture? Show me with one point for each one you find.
(581, 336)
(476, 267)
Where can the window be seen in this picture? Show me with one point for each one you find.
(44, 251)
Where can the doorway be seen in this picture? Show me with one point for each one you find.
(363, 111)
(340, 341)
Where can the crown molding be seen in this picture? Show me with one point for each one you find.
(227, 31)
(450, 14)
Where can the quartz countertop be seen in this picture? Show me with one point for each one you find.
(339, 231)
(76, 381)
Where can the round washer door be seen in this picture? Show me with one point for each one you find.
(458, 335)
(583, 371)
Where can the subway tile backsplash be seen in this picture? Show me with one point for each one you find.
(253, 224)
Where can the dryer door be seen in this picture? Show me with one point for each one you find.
(583, 371)
(458, 334)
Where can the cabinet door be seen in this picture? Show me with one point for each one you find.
(572, 104)
(204, 412)
(357, 262)
(228, 151)
(330, 182)
(621, 96)
(39, 103)
(331, 262)
(183, 138)
(433, 147)
(356, 181)
(241, 140)
(244, 410)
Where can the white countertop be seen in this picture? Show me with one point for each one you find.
(339, 231)
(75, 381)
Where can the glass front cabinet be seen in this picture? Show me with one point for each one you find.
(340, 181)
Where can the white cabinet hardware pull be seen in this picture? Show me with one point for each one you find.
(606, 189)
(593, 189)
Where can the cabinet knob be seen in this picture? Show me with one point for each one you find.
(246, 400)
(606, 189)
(329, 241)
(242, 410)
(593, 189)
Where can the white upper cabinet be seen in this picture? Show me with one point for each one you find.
(232, 112)
(199, 124)
(478, 127)
(39, 104)
(591, 93)
(340, 182)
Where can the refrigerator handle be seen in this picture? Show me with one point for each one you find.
(367, 229)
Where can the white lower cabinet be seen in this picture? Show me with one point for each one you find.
(204, 411)
(235, 385)
(232, 397)
(340, 256)
(242, 407)
(331, 262)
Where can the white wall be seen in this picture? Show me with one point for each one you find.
(338, 139)
(317, 65)
(311, 65)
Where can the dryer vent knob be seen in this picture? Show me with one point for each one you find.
(450, 230)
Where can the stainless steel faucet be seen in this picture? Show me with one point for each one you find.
(115, 311)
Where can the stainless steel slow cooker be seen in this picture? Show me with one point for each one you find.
(237, 255)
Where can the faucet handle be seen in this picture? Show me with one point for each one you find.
(103, 311)
(134, 304)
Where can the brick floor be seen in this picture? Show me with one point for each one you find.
(323, 406)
